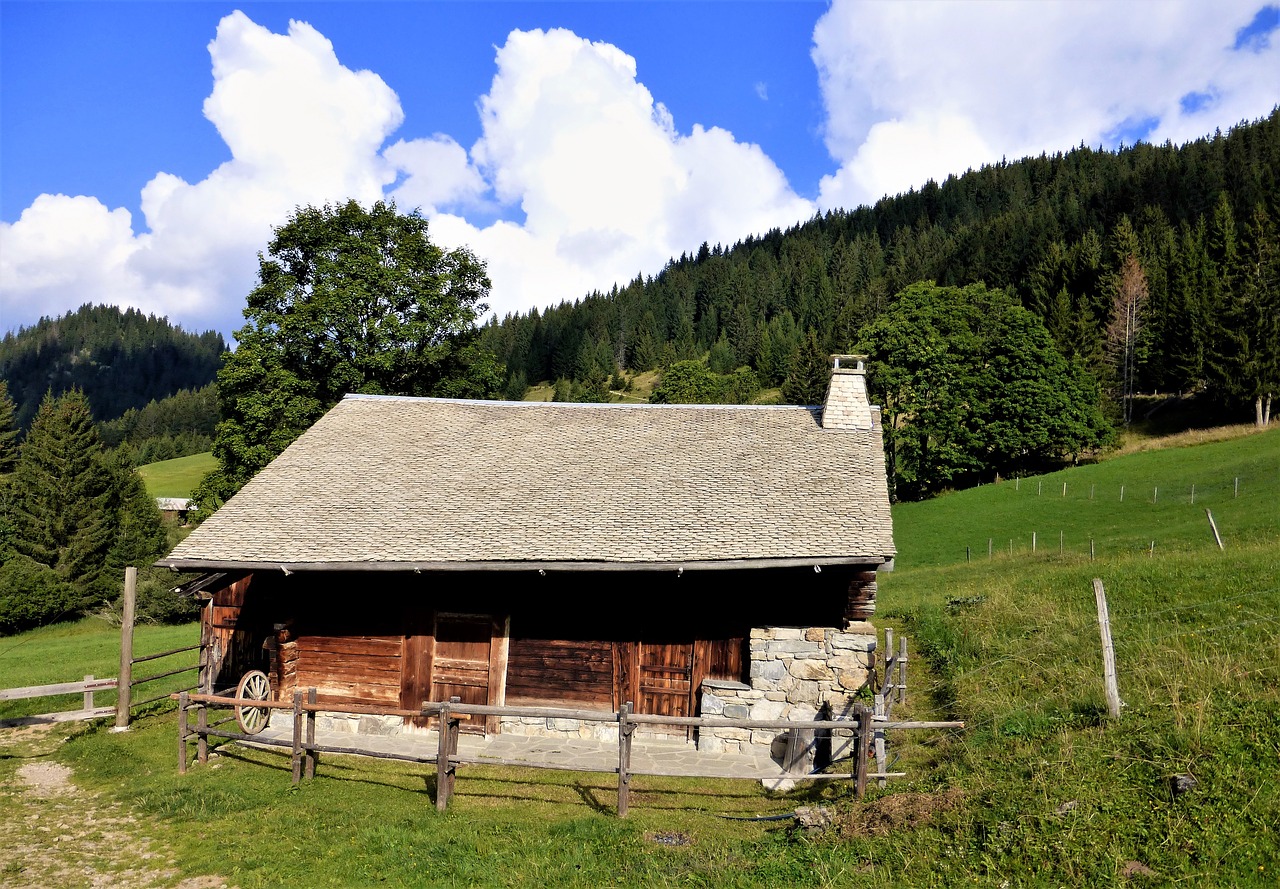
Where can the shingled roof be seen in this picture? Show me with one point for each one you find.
(386, 483)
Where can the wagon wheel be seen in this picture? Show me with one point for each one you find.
(254, 686)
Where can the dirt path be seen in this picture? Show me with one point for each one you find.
(54, 834)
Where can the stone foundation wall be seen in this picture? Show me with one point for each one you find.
(796, 673)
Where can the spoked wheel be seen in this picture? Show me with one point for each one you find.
(255, 686)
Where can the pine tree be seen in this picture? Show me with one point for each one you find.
(810, 373)
(8, 432)
(62, 487)
(140, 536)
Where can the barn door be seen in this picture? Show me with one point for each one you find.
(460, 662)
(665, 678)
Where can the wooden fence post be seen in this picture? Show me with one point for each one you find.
(882, 753)
(1108, 651)
(296, 759)
(124, 684)
(182, 733)
(202, 733)
(863, 714)
(902, 670)
(1214, 526)
(309, 758)
(448, 746)
(625, 729)
(88, 695)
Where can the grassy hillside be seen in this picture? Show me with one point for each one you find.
(178, 477)
(1011, 645)
(1155, 505)
(1041, 788)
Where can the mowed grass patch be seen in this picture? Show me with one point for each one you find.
(1156, 505)
(177, 477)
(67, 652)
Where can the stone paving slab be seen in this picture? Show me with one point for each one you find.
(649, 756)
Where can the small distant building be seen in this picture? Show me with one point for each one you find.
(709, 559)
(175, 507)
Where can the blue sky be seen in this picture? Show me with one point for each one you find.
(146, 149)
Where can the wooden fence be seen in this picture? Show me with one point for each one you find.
(87, 687)
(124, 701)
(305, 749)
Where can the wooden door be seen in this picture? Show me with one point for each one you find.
(460, 661)
(664, 676)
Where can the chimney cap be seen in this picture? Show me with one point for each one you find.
(855, 360)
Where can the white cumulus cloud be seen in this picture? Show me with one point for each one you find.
(301, 128)
(919, 90)
(608, 185)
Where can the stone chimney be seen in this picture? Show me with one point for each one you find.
(847, 406)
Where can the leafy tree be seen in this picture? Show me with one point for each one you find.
(971, 382)
(810, 373)
(63, 489)
(32, 594)
(347, 300)
(686, 382)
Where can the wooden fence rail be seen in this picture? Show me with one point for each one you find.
(449, 713)
(86, 686)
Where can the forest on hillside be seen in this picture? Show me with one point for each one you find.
(121, 359)
(1198, 315)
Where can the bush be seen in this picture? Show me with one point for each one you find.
(32, 594)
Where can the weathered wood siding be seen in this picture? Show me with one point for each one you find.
(351, 669)
(552, 670)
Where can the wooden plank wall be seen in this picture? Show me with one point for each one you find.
(552, 670)
(354, 669)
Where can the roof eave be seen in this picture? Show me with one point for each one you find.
(817, 562)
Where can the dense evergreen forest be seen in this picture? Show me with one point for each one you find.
(121, 359)
(1195, 312)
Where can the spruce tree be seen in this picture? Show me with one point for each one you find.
(8, 432)
(62, 489)
(810, 373)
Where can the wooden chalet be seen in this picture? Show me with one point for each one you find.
(409, 549)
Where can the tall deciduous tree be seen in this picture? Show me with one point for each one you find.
(348, 300)
(1128, 314)
(969, 383)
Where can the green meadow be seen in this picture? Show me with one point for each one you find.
(1040, 789)
(177, 477)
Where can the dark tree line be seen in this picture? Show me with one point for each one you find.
(1054, 231)
(120, 359)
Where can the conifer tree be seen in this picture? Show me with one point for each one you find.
(62, 497)
(810, 373)
(8, 432)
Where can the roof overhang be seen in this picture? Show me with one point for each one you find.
(816, 562)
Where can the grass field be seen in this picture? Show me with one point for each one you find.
(177, 477)
(68, 652)
(1040, 789)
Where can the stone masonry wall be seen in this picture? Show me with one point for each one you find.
(795, 671)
